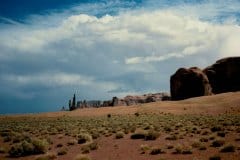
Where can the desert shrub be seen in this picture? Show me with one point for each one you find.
(82, 157)
(62, 151)
(95, 135)
(7, 139)
(24, 148)
(59, 145)
(72, 142)
(178, 149)
(228, 148)
(28, 148)
(169, 146)
(205, 132)
(5, 133)
(221, 134)
(17, 137)
(49, 156)
(2, 150)
(156, 150)
(40, 146)
(136, 114)
(203, 139)
(218, 143)
(212, 137)
(84, 138)
(152, 135)
(171, 137)
(16, 151)
(88, 147)
(216, 157)
(202, 147)
(187, 150)
(196, 144)
(144, 148)
(216, 128)
(49, 140)
(139, 135)
(119, 135)
(167, 129)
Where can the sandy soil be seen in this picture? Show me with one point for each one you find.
(111, 148)
(212, 105)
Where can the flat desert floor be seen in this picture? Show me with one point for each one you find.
(199, 128)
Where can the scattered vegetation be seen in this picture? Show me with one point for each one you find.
(62, 151)
(216, 157)
(89, 147)
(228, 148)
(218, 143)
(139, 135)
(34, 146)
(119, 135)
(82, 157)
(156, 150)
(84, 138)
(204, 131)
(49, 156)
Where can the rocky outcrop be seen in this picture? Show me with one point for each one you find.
(224, 75)
(146, 98)
(187, 83)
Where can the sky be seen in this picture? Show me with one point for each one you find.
(51, 49)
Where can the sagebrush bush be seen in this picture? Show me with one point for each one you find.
(218, 143)
(171, 137)
(72, 142)
(35, 146)
(84, 138)
(119, 135)
(49, 156)
(144, 148)
(156, 150)
(82, 157)
(178, 149)
(40, 145)
(2, 150)
(187, 150)
(216, 157)
(90, 146)
(216, 128)
(139, 135)
(62, 151)
(152, 135)
(221, 134)
(228, 148)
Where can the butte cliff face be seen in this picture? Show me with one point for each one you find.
(134, 100)
(187, 83)
(222, 76)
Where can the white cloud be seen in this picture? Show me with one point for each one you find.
(100, 54)
(167, 34)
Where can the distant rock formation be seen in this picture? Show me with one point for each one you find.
(126, 101)
(146, 98)
(187, 83)
(224, 75)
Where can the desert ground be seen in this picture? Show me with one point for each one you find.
(199, 128)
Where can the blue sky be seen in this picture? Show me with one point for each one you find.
(50, 49)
